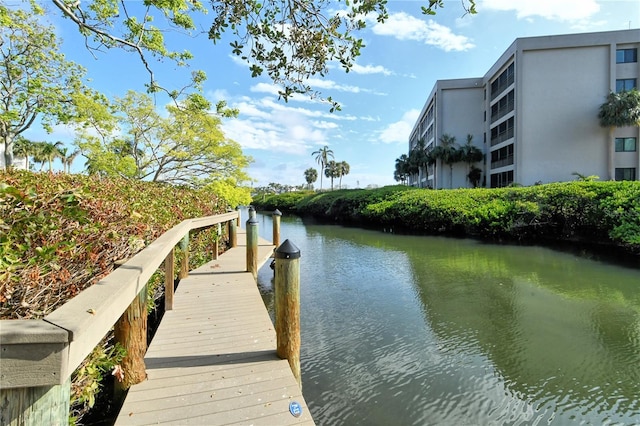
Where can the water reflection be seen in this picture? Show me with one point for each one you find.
(423, 330)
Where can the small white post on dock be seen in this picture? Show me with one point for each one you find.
(252, 244)
(276, 215)
(287, 305)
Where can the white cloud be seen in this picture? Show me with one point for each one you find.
(399, 131)
(370, 69)
(564, 10)
(406, 27)
(264, 124)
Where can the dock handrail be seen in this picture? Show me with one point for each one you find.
(44, 353)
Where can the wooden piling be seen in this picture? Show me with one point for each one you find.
(287, 305)
(252, 245)
(233, 233)
(276, 215)
(131, 332)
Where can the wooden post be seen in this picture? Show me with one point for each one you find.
(287, 305)
(276, 215)
(252, 246)
(233, 233)
(131, 332)
(169, 275)
(216, 246)
(239, 216)
(184, 266)
(35, 406)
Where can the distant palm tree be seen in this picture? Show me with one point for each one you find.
(67, 158)
(402, 170)
(447, 153)
(322, 158)
(343, 169)
(310, 175)
(471, 154)
(619, 110)
(419, 158)
(332, 170)
(24, 148)
(46, 152)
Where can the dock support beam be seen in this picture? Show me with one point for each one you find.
(131, 332)
(287, 305)
(276, 215)
(252, 245)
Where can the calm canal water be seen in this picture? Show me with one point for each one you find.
(404, 330)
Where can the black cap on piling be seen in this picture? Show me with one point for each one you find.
(287, 250)
(252, 221)
(276, 212)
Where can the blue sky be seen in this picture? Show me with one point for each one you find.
(381, 97)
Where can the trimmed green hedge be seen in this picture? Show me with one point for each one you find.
(606, 213)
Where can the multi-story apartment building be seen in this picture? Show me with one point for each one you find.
(534, 114)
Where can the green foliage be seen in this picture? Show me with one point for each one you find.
(285, 202)
(600, 212)
(87, 379)
(61, 233)
(229, 191)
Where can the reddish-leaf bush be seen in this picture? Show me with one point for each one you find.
(61, 233)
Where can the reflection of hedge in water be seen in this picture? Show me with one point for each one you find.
(536, 334)
(604, 213)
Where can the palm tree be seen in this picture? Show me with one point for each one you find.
(620, 110)
(419, 158)
(402, 169)
(332, 170)
(344, 169)
(471, 154)
(24, 148)
(67, 158)
(310, 175)
(322, 158)
(46, 152)
(447, 153)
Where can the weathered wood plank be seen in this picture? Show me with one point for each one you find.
(213, 359)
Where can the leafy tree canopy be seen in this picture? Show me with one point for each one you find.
(289, 41)
(186, 148)
(36, 81)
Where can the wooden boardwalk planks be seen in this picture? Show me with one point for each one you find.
(213, 359)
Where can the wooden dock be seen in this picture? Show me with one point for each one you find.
(213, 358)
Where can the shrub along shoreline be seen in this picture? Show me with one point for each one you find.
(605, 214)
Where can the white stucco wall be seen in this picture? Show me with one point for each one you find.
(461, 113)
(558, 130)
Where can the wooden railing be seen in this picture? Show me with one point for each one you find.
(37, 357)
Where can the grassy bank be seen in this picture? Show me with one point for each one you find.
(604, 213)
(61, 233)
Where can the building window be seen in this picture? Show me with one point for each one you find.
(502, 157)
(502, 132)
(503, 81)
(626, 145)
(624, 56)
(626, 173)
(505, 105)
(625, 84)
(502, 179)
